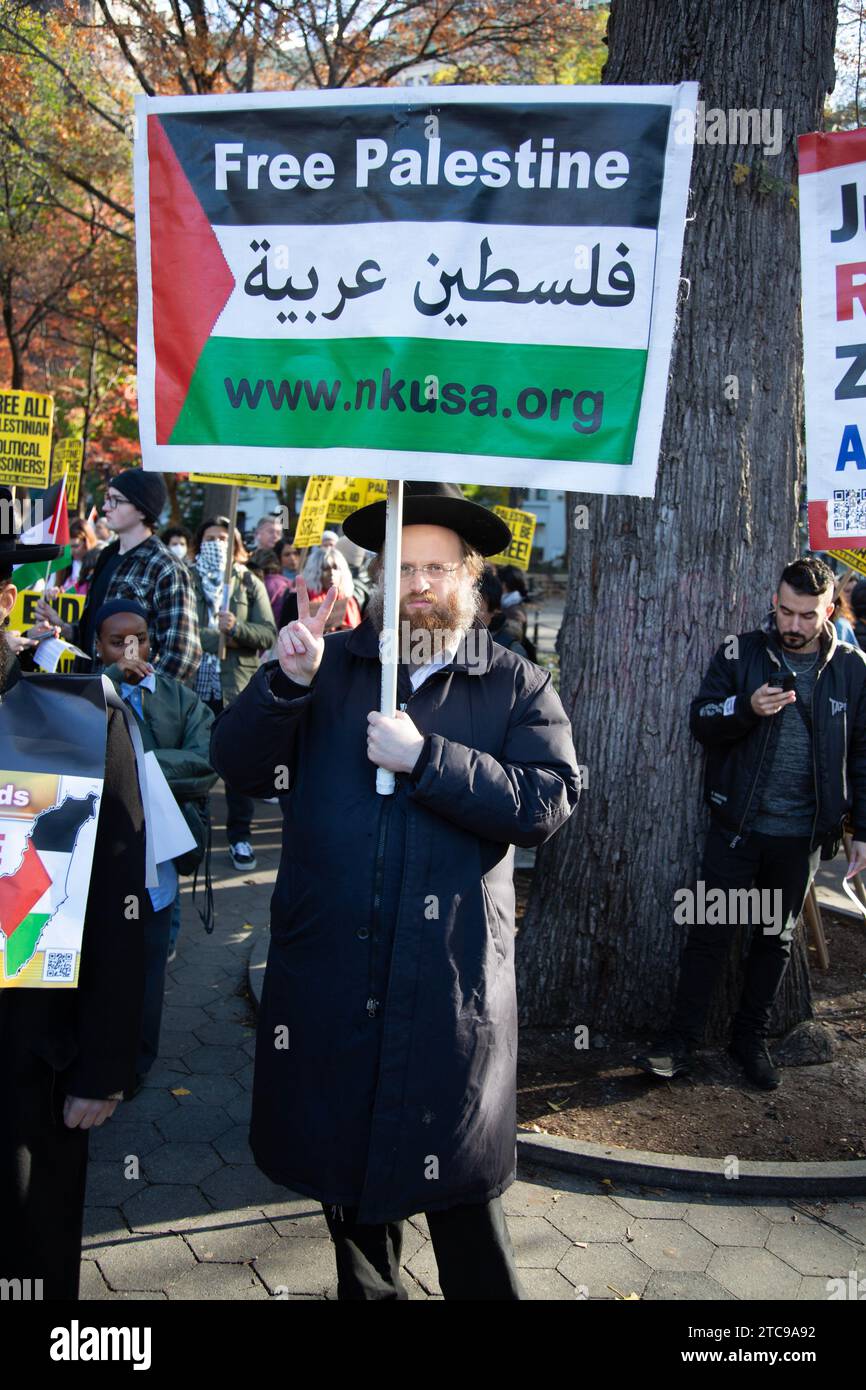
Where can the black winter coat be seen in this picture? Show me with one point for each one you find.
(385, 1070)
(740, 743)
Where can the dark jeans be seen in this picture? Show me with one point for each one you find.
(156, 934)
(772, 862)
(471, 1244)
(239, 808)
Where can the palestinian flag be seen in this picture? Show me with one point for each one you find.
(52, 530)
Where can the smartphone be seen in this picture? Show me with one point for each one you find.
(786, 681)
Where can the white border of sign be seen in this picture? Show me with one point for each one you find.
(634, 480)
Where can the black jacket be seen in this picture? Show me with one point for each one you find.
(740, 743)
(391, 965)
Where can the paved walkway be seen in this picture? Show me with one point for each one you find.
(177, 1209)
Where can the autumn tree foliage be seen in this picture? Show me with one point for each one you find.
(69, 76)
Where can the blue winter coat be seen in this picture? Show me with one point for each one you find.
(385, 1073)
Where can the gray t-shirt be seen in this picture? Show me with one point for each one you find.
(787, 805)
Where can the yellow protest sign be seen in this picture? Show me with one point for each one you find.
(26, 421)
(522, 525)
(70, 606)
(854, 559)
(68, 458)
(237, 480)
(314, 510)
(357, 493)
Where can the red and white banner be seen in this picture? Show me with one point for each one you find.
(833, 254)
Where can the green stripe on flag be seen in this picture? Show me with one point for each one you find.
(21, 945)
(28, 576)
(528, 401)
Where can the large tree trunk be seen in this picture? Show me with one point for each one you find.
(655, 586)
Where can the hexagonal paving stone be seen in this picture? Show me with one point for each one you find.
(118, 1138)
(244, 1075)
(107, 1186)
(537, 1244)
(527, 1199)
(224, 1242)
(546, 1284)
(668, 1286)
(298, 1267)
(234, 1145)
(734, 1225)
(240, 1185)
(816, 1288)
(165, 1207)
(668, 1208)
(775, 1210)
(605, 1270)
(217, 1281)
(750, 1273)
(240, 1108)
(219, 1061)
(181, 1163)
(91, 1284)
(190, 997)
(811, 1249)
(212, 1088)
(231, 1008)
(423, 1267)
(670, 1245)
(151, 1262)
(850, 1216)
(149, 1105)
(182, 1018)
(166, 1072)
(103, 1224)
(175, 1043)
(197, 1122)
(221, 1032)
(590, 1218)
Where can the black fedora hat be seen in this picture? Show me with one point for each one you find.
(12, 552)
(432, 504)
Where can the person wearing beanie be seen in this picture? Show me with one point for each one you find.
(138, 566)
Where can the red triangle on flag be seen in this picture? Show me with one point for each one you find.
(21, 891)
(58, 527)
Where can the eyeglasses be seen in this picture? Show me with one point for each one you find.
(112, 500)
(434, 571)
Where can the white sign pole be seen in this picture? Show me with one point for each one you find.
(385, 780)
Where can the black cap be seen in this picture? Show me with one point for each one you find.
(146, 491)
(432, 504)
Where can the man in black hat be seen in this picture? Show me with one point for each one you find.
(385, 1079)
(139, 566)
(66, 1054)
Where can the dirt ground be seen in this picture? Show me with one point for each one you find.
(818, 1112)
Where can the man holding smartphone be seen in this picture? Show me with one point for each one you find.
(782, 714)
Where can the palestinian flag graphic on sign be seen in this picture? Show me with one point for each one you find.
(48, 823)
(410, 281)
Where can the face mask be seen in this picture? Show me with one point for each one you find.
(214, 553)
(178, 548)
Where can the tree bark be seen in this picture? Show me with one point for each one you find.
(655, 585)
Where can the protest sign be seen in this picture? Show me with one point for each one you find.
(238, 480)
(50, 790)
(522, 527)
(68, 458)
(357, 493)
(468, 282)
(26, 420)
(832, 244)
(854, 559)
(314, 509)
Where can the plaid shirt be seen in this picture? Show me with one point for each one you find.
(153, 577)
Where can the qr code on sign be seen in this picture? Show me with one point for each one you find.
(849, 511)
(59, 965)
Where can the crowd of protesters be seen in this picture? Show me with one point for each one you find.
(215, 642)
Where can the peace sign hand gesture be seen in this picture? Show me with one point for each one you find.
(301, 644)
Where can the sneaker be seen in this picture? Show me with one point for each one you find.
(668, 1057)
(753, 1055)
(242, 855)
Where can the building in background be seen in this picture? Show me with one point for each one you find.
(549, 507)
